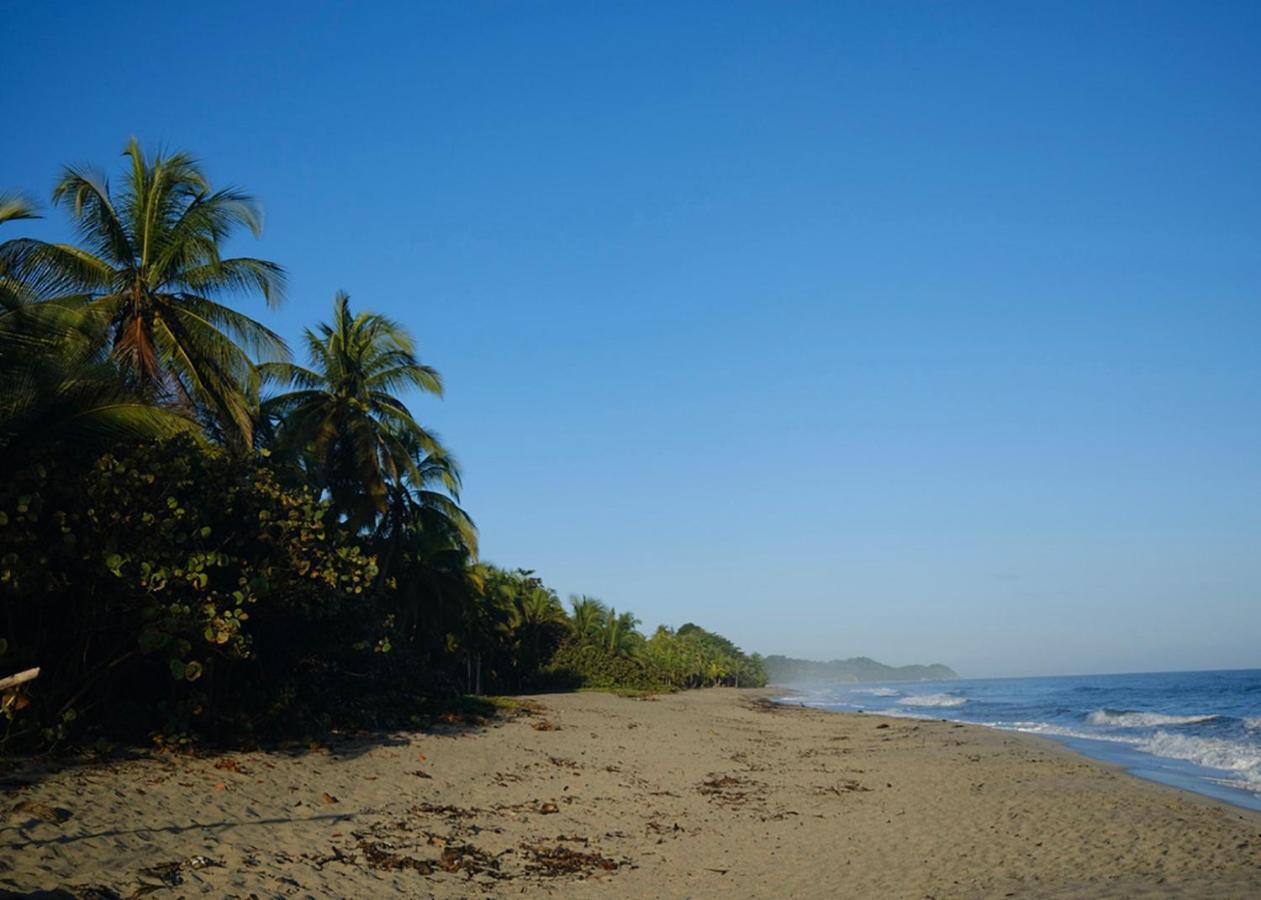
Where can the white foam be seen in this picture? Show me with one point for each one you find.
(1242, 761)
(933, 700)
(876, 692)
(1111, 719)
(1252, 724)
(1212, 753)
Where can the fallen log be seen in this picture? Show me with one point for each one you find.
(20, 678)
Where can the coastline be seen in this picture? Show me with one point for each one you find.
(703, 793)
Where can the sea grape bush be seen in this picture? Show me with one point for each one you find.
(152, 577)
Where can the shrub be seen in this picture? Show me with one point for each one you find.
(151, 580)
(584, 664)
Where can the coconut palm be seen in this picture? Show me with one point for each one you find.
(538, 607)
(586, 615)
(150, 259)
(56, 384)
(58, 387)
(342, 420)
(617, 633)
(14, 292)
(538, 621)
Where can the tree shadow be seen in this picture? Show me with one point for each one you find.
(64, 839)
(465, 715)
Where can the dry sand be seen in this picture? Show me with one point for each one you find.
(704, 794)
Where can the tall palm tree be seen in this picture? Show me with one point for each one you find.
(150, 259)
(56, 384)
(586, 615)
(342, 418)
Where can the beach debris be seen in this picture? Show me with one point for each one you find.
(204, 862)
(452, 812)
(726, 788)
(228, 764)
(545, 725)
(467, 858)
(53, 815)
(320, 861)
(166, 874)
(846, 785)
(170, 874)
(420, 773)
(377, 856)
(560, 860)
(548, 808)
(327, 798)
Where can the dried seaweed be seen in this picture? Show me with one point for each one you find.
(559, 860)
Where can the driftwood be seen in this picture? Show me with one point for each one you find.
(20, 678)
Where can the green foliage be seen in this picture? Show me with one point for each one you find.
(342, 421)
(174, 569)
(585, 664)
(694, 657)
(186, 562)
(149, 263)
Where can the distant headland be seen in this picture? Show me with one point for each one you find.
(786, 670)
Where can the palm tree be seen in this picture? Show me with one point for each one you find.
(14, 292)
(538, 607)
(150, 259)
(617, 633)
(586, 615)
(343, 421)
(56, 385)
(537, 616)
(425, 543)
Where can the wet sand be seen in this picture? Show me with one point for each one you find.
(702, 794)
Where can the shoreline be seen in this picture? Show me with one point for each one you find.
(720, 791)
(1179, 772)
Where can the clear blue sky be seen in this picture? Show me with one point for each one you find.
(926, 331)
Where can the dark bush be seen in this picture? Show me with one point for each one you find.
(171, 587)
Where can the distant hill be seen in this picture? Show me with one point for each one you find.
(786, 670)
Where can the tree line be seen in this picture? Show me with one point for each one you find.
(201, 538)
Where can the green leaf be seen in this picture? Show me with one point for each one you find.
(192, 671)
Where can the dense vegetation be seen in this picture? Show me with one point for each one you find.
(202, 539)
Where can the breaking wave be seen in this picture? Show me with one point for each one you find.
(1213, 753)
(1126, 719)
(933, 700)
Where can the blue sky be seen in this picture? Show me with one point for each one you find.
(925, 331)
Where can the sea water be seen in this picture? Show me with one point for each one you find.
(1196, 730)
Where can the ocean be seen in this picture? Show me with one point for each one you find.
(1200, 731)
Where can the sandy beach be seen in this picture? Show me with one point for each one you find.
(700, 794)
